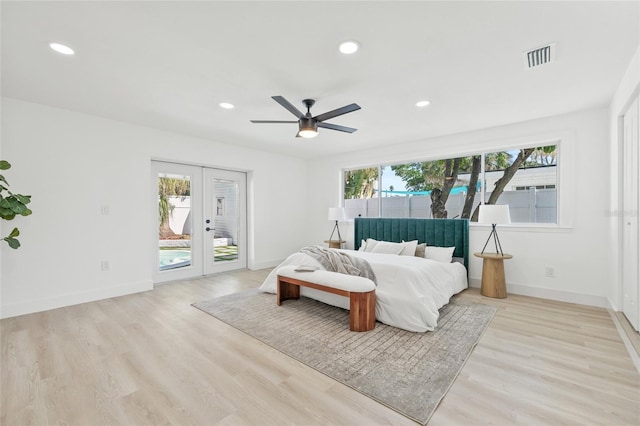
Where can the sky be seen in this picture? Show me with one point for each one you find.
(389, 178)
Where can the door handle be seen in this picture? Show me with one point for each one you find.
(208, 229)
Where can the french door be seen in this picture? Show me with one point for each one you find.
(225, 218)
(200, 221)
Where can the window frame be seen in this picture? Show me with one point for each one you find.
(564, 166)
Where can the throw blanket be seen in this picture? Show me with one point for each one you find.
(337, 261)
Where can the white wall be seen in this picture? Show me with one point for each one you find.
(627, 90)
(74, 163)
(579, 251)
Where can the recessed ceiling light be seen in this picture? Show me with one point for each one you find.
(226, 105)
(349, 47)
(61, 48)
(422, 104)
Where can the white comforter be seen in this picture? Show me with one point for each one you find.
(409, 291)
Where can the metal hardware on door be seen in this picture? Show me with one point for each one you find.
(208, 229)
(207, 221)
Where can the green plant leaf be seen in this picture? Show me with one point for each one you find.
(13, 243)
(12, 205)
(18, 207)
(24, 199)
(7, 214)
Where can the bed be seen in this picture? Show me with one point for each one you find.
(410, 290)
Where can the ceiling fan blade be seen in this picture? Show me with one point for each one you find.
(271, 121)
(336, 112)
(285, 103)
(336, 127)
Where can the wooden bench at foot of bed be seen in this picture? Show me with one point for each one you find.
(360, 291)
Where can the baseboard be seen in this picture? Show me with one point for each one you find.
(69, 299)
(551, 294)
(254, 266)
(635, 357)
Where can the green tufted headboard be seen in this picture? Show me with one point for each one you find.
(435, 232)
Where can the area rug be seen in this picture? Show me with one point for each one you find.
(408, 372)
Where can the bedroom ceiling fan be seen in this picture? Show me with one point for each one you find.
(307, 124)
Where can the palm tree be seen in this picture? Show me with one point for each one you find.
(360, 183)
(542, 156)
(169, 187)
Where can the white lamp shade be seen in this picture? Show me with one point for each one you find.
(337, 213)
(494, 214)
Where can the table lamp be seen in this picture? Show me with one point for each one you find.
(337, 214)
(494, 214)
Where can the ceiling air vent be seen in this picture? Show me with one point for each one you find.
(539, 56)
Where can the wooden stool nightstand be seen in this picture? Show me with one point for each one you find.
(493, 281)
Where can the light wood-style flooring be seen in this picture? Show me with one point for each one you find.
(151, 358)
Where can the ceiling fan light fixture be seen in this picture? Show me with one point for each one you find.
(308, 128)
(307, 123)
(308, 133)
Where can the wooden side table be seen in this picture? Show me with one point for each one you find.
(335, 243)
(493, 281)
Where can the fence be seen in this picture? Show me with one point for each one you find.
(528, 206)
(224, 213)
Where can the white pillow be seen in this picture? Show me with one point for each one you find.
(387, 247)
(440, 254)
(363, 245)
(409, 248)
(370, 244)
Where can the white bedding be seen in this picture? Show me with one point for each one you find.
(409, 291)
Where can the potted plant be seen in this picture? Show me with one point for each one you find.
(12, 205)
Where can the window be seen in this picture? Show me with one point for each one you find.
(220, 206)
(436, 188)
(361, 192)
(526, 188)
(526, 180)
(523, 178)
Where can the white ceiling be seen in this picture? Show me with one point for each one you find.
(167, 65)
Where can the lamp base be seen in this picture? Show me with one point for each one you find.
(496, 240)
(335, 228)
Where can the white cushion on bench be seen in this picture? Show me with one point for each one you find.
(351, 283)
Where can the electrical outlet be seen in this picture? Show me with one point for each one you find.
(104, 265)
(104, 210)
(549, 272)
